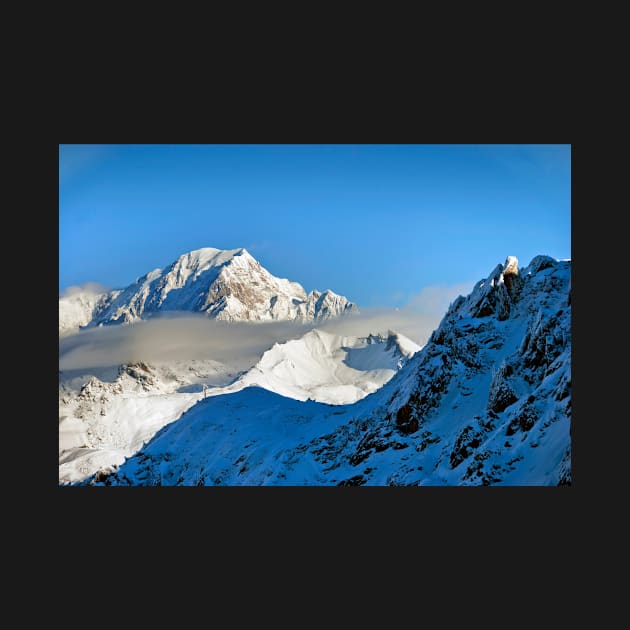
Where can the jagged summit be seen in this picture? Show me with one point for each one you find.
(493, 295)
(511, 266)
(228, 285)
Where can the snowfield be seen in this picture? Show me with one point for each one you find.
(487, 401)
(328, 368)
(107, 416)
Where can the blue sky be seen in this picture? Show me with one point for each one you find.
(376, 223)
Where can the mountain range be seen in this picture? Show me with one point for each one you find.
(487, 401)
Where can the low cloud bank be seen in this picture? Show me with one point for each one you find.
(184, 336)
(173, 338)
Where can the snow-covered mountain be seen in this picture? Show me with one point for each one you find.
(108, 416)
(486, 401)
(224, 284)
(77, 309)
(328, 368)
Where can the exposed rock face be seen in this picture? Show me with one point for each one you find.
(498, 292)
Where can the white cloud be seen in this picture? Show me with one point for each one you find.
(93, 288)
(416, 320)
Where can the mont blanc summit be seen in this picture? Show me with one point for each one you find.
(229, 285)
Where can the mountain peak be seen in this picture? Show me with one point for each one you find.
(498, 294)
(208, 256)
(511, 266)
(228, 285)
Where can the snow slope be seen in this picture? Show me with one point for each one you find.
(328, 368)
(109, 415)
(486, 401)
(224, 284)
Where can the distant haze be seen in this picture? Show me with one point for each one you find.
(375, 223)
